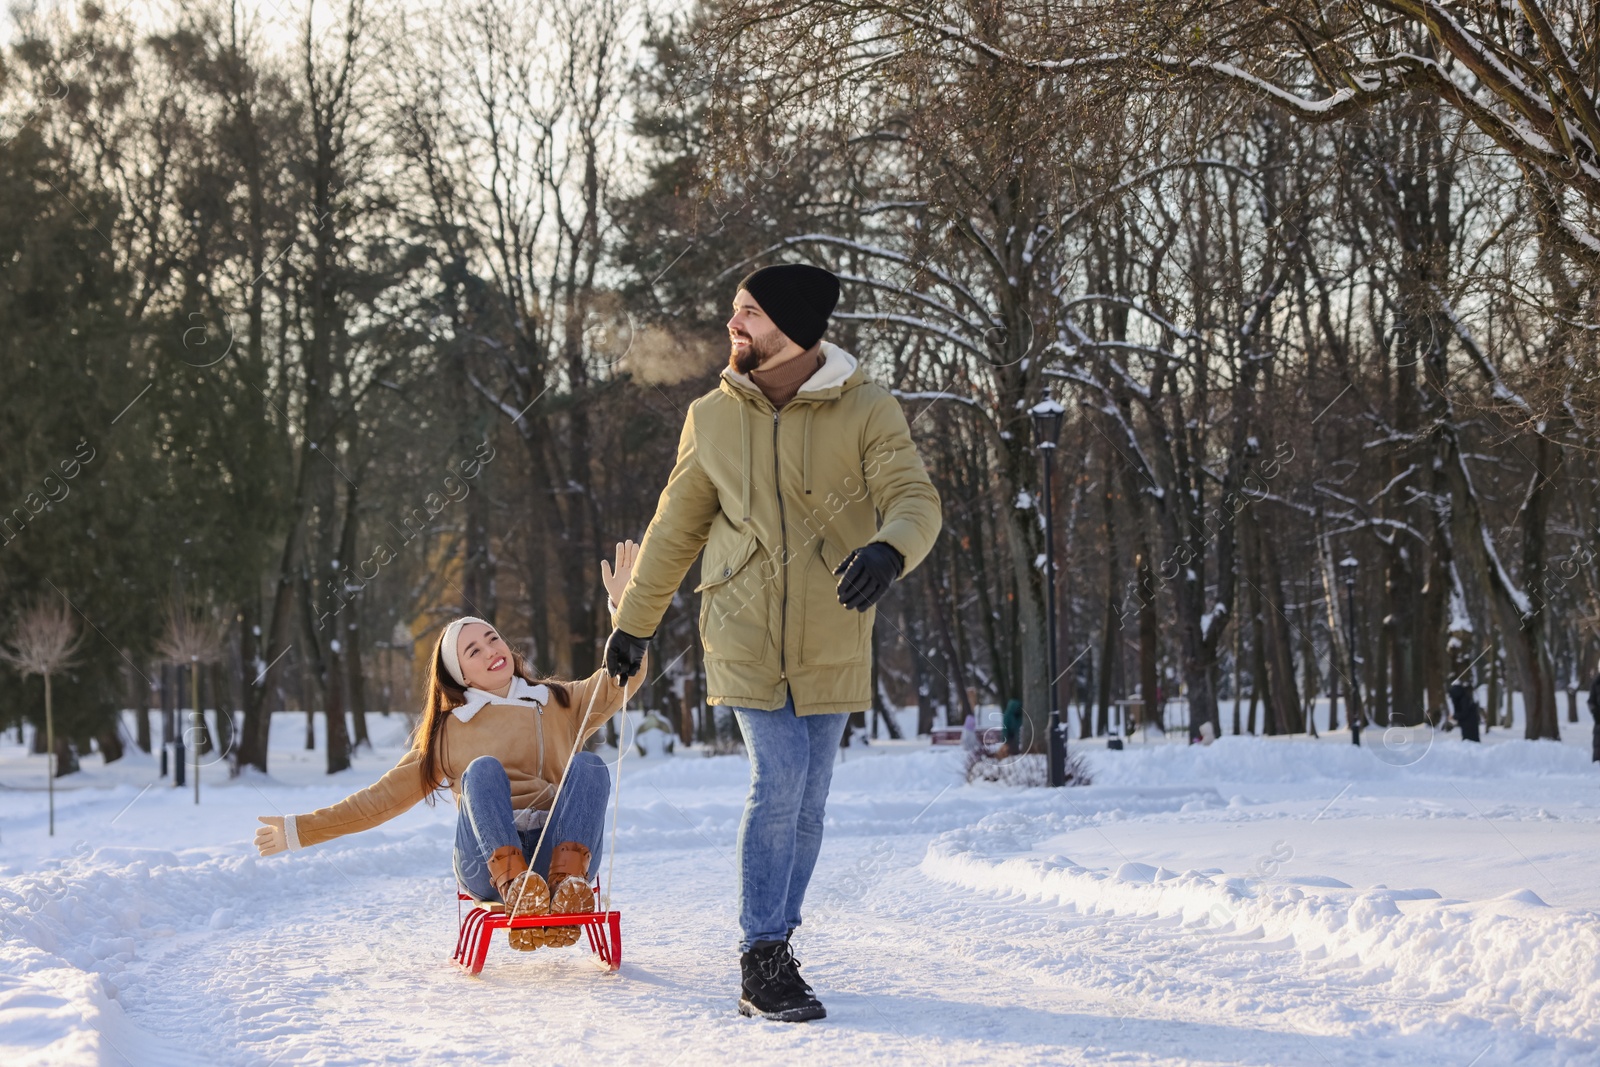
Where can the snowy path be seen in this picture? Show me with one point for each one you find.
(947, 924)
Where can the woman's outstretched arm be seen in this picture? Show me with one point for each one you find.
(394, 794)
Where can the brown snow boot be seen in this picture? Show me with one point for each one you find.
(523, 891)
(570, 891)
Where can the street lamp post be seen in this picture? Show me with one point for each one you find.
(1047, 427)
(179, 755)
(1354, 712)
(199, 721)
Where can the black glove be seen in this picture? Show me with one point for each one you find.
(624, 654)
(867, 573)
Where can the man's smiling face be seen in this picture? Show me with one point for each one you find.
(753, 339)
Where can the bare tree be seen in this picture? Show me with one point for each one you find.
(509, 117)
(44, 640)
(193, 637)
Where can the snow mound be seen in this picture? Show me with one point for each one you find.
(52, 1013)
(1267, 760)
(1513, 960)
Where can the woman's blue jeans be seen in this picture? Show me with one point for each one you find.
(485, 821)
(791, 767)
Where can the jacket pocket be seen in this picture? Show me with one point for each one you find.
(735, 598)
(830, 632)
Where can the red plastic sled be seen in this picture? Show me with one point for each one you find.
(479, 923)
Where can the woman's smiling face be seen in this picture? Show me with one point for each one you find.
(485, 659)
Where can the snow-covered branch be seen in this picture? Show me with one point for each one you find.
(914, 322)
(1133, 305)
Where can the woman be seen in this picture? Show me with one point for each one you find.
(500, 742)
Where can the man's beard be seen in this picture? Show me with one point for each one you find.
(755, 354)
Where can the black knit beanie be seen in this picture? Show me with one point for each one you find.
(797, 297)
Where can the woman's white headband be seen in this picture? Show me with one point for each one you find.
(447, 646)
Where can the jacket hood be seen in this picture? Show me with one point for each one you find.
(838, 371)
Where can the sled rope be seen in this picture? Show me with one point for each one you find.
(577, 741)
(623, 744)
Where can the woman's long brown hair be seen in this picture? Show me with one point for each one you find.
(444, 695)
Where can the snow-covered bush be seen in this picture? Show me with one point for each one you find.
(1027, 769)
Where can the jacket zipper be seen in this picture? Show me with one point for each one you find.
(783, 530)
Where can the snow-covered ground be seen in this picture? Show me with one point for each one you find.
(1260, 901)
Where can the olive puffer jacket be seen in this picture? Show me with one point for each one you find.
(777, 498)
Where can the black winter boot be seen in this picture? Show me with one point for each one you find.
(794, 969)
(772, 986)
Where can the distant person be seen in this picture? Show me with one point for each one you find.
(1594, 710)
(969, 733)
(1465, 708)
(1011, 726)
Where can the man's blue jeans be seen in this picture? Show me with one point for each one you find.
(791, 766)
(485, 821)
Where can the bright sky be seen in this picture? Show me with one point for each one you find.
(278, 22)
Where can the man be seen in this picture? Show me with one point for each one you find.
(1011, 726)
(1464, 710)
(1465, 705)
(780, 471)
(1594, 711)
